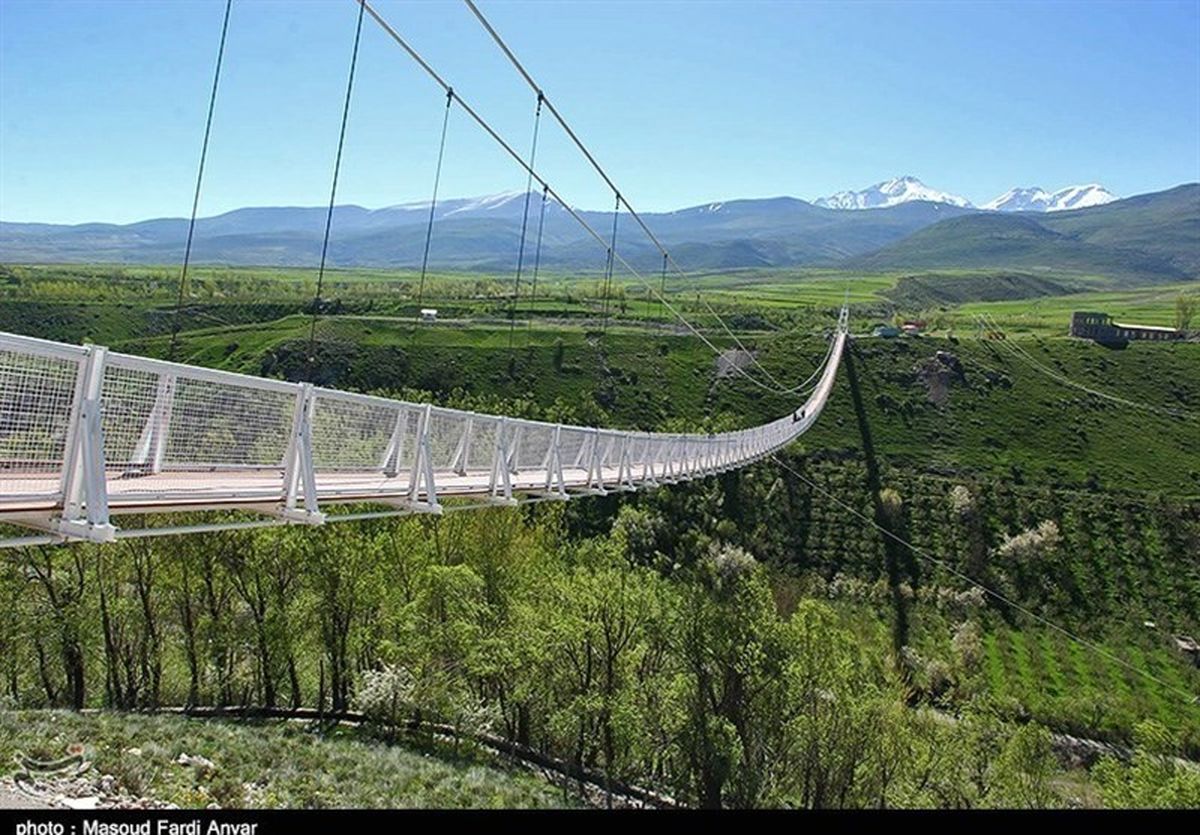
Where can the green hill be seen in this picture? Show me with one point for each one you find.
(1150, 238)
(1165, 224)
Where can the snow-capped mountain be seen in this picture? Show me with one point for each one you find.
(890, 193)
(1039, 200)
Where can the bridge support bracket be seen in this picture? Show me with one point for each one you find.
(414, 507)
(64, 530)
(300, 517)
(82, 529)
(551, 495)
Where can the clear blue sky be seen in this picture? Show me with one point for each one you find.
(102, 103)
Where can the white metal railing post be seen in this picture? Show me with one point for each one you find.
(670, 471)
(648, 452)
(463, 452)
(67, 481)
(85, 488)
(500, 481)
(152, 444)
(422, 469)
(583, 450)
(595, 475)
(514, 449)
(553, 465)
(624, 470)
(299, 474)
(394, 452)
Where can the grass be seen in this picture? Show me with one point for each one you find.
(269, 764)
(1105, 698)
(1051, 315)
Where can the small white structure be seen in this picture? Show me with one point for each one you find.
(428, 314)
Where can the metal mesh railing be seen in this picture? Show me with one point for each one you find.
(37, 393)
(172, 436)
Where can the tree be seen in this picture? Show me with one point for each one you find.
(730, 644)
(60, 575)
(342, 567)
(1185, 310)
(1023, 770)
(1154, 779)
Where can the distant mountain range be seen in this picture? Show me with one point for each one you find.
(1149, 237)
(1039, 200)
(890, 193)
(908, 189)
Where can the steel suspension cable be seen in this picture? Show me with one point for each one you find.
(608, 267)
(187, 248)
(746, 351)
(537, 261)
(574, 213)
(491, 30)
(437, 180)
(512, 305)
(554, 112)
(662, 288)
(1192, 698)
(337, 167)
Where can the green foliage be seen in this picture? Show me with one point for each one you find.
(1154, 779)
(1185, 310)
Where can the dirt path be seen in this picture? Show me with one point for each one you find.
(11, 798)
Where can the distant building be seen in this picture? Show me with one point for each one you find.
(1100, 327)
(428, 314)
(886, 331)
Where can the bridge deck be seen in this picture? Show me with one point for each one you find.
(181, 489)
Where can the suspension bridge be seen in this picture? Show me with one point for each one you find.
(91, 437)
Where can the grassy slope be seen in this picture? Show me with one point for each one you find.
(1050, 315)
(268, 764)
(1026, 424)
(1003, 417)
(1015, 242)
(1165, 224)
(1148, 238)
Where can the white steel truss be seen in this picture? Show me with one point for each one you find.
(87, 434)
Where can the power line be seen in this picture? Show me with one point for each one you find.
(337, 166)
(187, 249)
(1023, 354)
(1191, 697)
